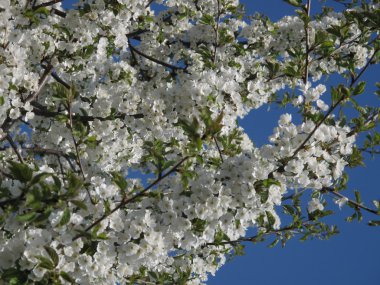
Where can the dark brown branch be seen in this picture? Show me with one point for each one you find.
(253, 238)
(60, 80)
(371, 119)
(42, 111)
(219, 150)
(76, 145)
(56, 77)
(168, 65)
(149, 3)
(14, 147)
(372, 152)
(136, 33)
(291, 196)
(59, 13)
(349, 201)
(306, 76)
(44, 78)
(216, 29)
(57, 153)
(127, 200)
(46, 4)
(333, 107)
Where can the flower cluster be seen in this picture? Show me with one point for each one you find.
(92, 95)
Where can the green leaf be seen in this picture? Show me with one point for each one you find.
(102, 236)
(295, 3)
(88, 51)
(357, 197)
(288, 209)
(39, 177)
(271, 219)
(274, 243)
(53, 254)
(45, 262)
(79, 204)
(359, 89)
(65, 217)
(67, 277)
(20, 171)
(207, 19)
(2, 101)
(74, 184)
(42, 10)
(119, 180)
(57, 182)
(28, 217)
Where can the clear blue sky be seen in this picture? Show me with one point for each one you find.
(350, 258)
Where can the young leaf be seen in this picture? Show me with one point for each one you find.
(359, 89)
(53, 254)
(20, 171)
(65, 217)
(67, 277)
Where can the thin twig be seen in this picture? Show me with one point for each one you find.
(371, 119)
(42, 111)
(333, 107)
(168, 65)
(56, 77)
(306, 76)
(136, 33)
(59, 13)
(291, 196)
(149, 3)
(337, 194)
(219, 150)
(77, 150)
(252, 238)
(47, 151)
(14, 147)
(60, 80)
(46, 4)
(216, 29)
(370, 151)
(127, 200)
(43, 80)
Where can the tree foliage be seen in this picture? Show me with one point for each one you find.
(90, 95)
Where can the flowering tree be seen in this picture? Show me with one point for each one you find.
(91, 94)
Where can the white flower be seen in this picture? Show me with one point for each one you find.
(341, 202)
(285, 119)
(314, 205)
(322, 105)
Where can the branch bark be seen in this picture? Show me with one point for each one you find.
(127, 200)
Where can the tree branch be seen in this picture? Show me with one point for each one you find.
(42, 111)
(149, 3)
(43, 80)
(46, 4)
(219, 150)
(58, 153)
(306, 76)
(127, 200)
(216, 29)
(357, 205)
(333, 106)
(14, 147)
(253, 238)
(168, 65)
(77, 150)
